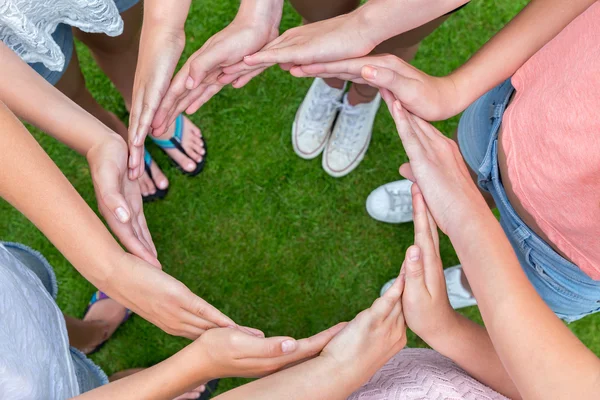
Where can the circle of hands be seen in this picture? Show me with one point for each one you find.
(241, 51)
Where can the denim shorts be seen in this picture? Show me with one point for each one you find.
(89, 375)
(567, 290)
(63, 36)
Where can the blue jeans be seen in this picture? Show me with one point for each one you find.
(89, 375)
(567, 290)
(63, 36)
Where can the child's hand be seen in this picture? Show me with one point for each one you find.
(371, 338)
(431, 98)
(230, 352)
(425, 301)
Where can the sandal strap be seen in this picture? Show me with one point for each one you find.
(171, 143)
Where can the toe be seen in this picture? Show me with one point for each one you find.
(160, 179)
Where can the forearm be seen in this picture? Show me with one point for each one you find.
(314, 379)
(541, 355)
(379, 20)
(33, 99)
(32, 183)
(537, 24)
(468, 345)
(163, 381)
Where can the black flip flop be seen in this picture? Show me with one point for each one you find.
(175, 143)
(160, 193)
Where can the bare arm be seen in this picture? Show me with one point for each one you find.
(541, 355)
(537, 24)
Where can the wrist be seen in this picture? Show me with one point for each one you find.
(465, 90)
(370, 23)
(261, 14)
(445, 333)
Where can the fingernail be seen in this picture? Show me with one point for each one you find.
(122, 214)
(414, 254)
(189, 83)
(370, 73)
(398, 105)
(288, 346)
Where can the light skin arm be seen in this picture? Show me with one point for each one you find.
(438, 98)
(541, 355)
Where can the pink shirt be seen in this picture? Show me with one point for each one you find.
(551, 137)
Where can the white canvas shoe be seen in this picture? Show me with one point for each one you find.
(314, 119)
(458, 295)
(391, 202)
(350, 138)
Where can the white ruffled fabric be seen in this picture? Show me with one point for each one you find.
(26, 26)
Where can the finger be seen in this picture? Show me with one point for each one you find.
(189, 395)
(423, 234)
(253, 347)
(388, 97)
(141, 218)
(204, 98)
(244, 79)
(279, 55)
(410, 139)
(432, 224)
(130, 240)
(286, 66)
(136, 159)
(316, 343)
(202, 309)
(237, 68)
(108, 181)
(149, 108)
(406, 171)
(175, 91)
(252, 331)
(415, 275)
(404, 88)
(191, 332)
(202, 65)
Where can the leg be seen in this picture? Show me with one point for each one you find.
(117, 57)
(318, 10)
(72, 84)
(86, 335)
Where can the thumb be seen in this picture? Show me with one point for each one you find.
(201, 66)
(108, 182)
(415, 272)
(407, 172)
(403, 88)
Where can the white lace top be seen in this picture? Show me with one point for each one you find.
(35, 362)
(26, 26)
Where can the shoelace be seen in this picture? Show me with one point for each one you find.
(320, 108)
(400, 200)
(350, 130)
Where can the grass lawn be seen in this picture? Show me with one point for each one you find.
(268, 238)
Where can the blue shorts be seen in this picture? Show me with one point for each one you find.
(567, 290)
(89, 375)
(63, 36)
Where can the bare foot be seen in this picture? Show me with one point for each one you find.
(108, 312)
(192, 143)
(86, 334)
(148, 186)
(192, 394)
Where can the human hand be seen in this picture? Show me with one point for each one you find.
(119, 198)
(231, 352)
(371, 338)
(437, 166)
(162, 300)
(160, 50)
(328, 40)
(429, 97)
(425, 300)
(197, 82)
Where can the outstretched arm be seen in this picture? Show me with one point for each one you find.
(541, 355)
(119, 200)
(31, 182)
(438, 98)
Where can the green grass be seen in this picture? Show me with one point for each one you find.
(266, 237)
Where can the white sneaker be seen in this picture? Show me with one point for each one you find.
(391, 202)
(314, 119)
(350, 139)
(458, 295)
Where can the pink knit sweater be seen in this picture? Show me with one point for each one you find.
(423, 374)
